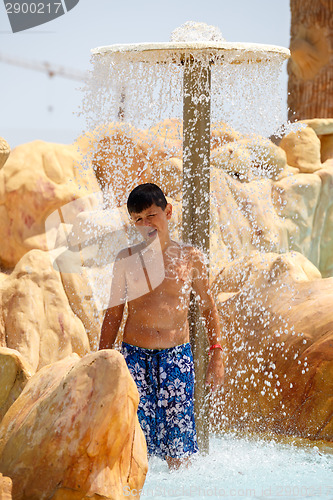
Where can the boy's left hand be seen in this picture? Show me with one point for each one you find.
(215, 370)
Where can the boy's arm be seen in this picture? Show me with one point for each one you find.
(215, 369)
(110, 327)
(114, 313)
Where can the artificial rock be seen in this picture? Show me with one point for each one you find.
(14, 374)
(4, 151)
(36, 180)
(304, 205)
(276, 312)
(250, 157)
(324, 130)
(74, 434)
(122, 157)
(302, 149)
(5, 488)
(283, 202)
(36, 318)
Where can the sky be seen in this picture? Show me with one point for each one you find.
(36, 106)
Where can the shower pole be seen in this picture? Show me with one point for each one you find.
(196, 213)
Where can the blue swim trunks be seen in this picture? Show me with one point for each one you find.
(165, 381)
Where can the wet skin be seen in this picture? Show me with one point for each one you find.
(158, 319)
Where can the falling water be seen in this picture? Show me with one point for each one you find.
(246, 469)
(246, 95)
(133, 103)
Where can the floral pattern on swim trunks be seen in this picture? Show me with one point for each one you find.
(165, 381)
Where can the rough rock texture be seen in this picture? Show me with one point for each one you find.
(73, 433)
(234, 158)
(36, 318)
(278, 200)
(122, 157)
(324, 130)
(222, 133)
(293, 212)
(321, 126)
(5, 488)
(246, 217)
(278, 324)
(81, 300)
(304, 204)
(326, 150)
(14, 374)
(37, 179)
(170, 133)
(169, 175)
(4, 151)
(302, 149)
(246, 157)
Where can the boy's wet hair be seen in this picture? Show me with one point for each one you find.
(144, 196)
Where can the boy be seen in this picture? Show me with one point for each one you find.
(156, 334)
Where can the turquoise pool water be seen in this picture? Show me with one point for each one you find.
(239, 468)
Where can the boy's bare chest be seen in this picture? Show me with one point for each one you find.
(177, 269)
(170, 277)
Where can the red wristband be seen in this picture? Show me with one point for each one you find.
(215, 346)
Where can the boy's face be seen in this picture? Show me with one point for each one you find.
(153, 221)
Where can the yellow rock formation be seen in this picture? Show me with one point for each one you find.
(278, 331)
(302, 149)
(14, 374)
(81, 300)
(4, 151)
(65, 436)
(248, 157)
(5, 488)
(122, 157)
(36, 317)
(324, 129)
(305, 205)
(37, 178)
(170, 133)
(221, 133)
(73, 432)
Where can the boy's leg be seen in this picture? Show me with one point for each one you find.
(175, 407)
(165, 381)
(139, 363)
(175, 463)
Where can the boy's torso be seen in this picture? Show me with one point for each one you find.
(158, 319)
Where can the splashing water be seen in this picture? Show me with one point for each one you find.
(245, 469)
(139, 92)
(244, 94)
(192, 31)
(133, 104)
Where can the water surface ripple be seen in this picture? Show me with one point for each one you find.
(245, 469)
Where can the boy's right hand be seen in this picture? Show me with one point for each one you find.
(215, 370)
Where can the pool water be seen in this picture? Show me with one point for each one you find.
(245, 468)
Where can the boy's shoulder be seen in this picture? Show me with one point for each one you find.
(194, 252)
(127, 252)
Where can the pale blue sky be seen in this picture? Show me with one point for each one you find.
(35, 106)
